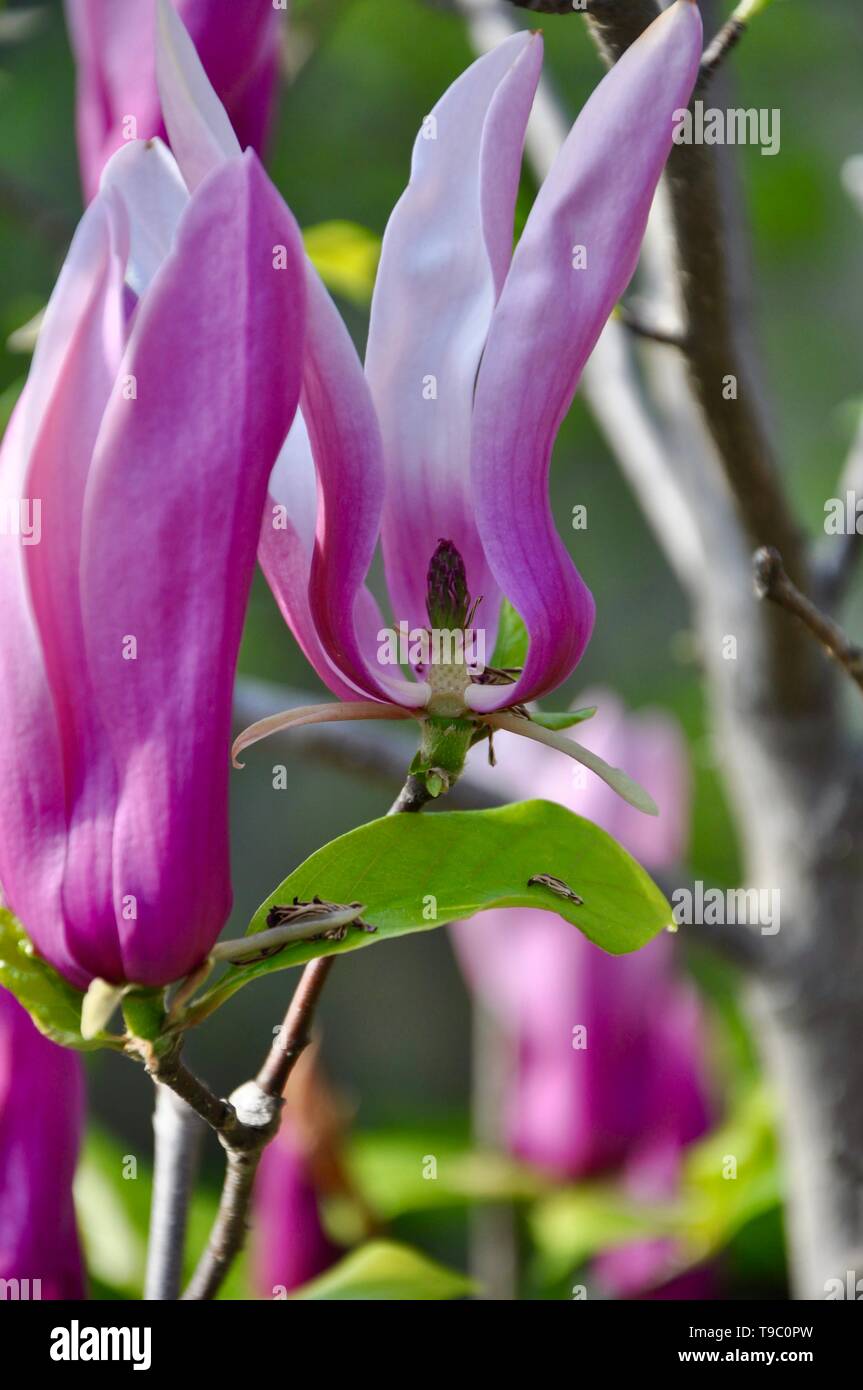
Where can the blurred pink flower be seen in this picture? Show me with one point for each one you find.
(635, 1094)
(290, 1245)
(117, 97)
(41, 1112)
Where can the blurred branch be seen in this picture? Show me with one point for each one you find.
(178, 1132)
(638, 321)
(728, 38)
(841, 557)
(771, 582)
(721, 363)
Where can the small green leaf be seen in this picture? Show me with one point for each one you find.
(384, 1270)
(512, 640)
(345, 256)
(415, 873)
(53, 1004)
(561, 721)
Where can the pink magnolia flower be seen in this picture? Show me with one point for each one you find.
(629, 1093)
(442, 446)
(290, 1245)
(117, 97)
(164, 381)
(41, 1112)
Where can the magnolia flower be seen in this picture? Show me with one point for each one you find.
(290, 1246)
(164, 381)
(41, 1112)
(442, 446)
(608, 1071)
(117, 98)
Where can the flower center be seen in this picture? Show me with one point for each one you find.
(455, 651)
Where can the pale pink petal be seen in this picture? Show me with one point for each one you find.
(549, 316)
(198, 128)
(144, 175)
(445, 253)
(620, 781)
(314, 714)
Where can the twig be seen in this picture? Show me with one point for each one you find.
(643, 327)
(772, 582)
(171, 1070)
(728, 38)
(840, 556)
(178, 1131)
(264, 1095)
(413, 797)
(722, 366)
(718, 49)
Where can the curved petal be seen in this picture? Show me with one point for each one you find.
(345, 439)
(445, 253)
(199, 130)
(114, 46)
(44, 707)
(314, 714)
(550, 313)
(286, 548)
(618, 780)
(216, 353)
(145, 176)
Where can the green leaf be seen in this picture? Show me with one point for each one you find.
(53, 1004)
(345, 256)
(565, 720)
(512, 639)
(414, 873)
(384, 1270)
(389, 1168)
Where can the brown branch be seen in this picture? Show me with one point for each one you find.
(723, 368)
(719, 48)
(263, 1097)
(295, 1033)
(636, 321)
(771, 582)
(169, 1069)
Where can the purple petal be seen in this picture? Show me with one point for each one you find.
(548, 318)
(216, 356)
(41, 1111)
(290, 1245)
(115, 58)
(445, 254)
(198, 126)
(286, 549)
(144, 175)
(44, 693)
(345, 440)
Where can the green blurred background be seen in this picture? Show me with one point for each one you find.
(397, 1020)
